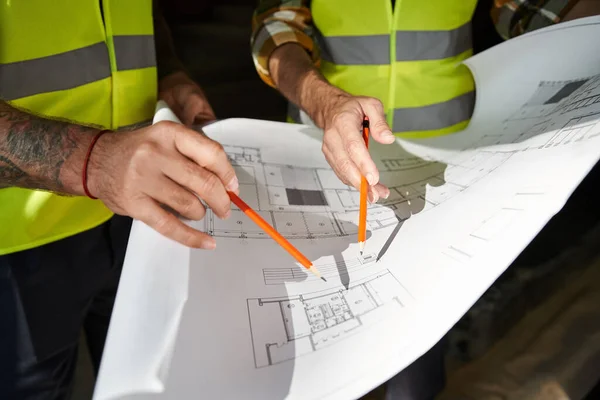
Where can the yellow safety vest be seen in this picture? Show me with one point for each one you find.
(87, 61)
(409, 58)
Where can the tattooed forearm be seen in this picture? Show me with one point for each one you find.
(37, 153)
(8, 171)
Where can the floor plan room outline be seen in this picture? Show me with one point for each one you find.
(288, 327)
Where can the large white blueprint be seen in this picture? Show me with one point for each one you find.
(245, 321)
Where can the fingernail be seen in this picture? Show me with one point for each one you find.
(233, 185)
(370, 198)
(387, 194)
(209, 245)
(388, 135)
(227, 214)
(370, 179)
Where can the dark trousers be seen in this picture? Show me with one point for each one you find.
(47, 295)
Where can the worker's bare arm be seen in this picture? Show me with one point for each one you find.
(133, 172)
(38, 153)
(338, 113)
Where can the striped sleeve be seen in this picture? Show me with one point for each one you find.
(516, 17)
(276, 23)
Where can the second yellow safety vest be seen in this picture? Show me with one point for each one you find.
(91, 62)
(409, 57)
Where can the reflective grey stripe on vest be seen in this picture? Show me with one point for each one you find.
(57, 72)
(74, 68)
(135, 51)
(432, 45)
(355, 50)
(434, 116)
(410, 46)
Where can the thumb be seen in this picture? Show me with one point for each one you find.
(380, 130)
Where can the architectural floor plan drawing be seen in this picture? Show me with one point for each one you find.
(559, 113)
(568, 109)
(289, 327)
(314, 203)
(245, 321)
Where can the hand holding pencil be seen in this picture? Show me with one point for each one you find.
(163, 112)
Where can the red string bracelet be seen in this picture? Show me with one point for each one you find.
(86, 161)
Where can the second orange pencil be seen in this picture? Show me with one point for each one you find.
(364, 189)
(264, 225)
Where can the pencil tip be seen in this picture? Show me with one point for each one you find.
(323, 279)
(314, 270)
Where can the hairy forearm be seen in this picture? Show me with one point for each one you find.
(37, 153)
(300, 82)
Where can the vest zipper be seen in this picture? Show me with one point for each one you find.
(105, 10)
(101, 11)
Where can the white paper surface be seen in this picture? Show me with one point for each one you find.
(245, 321)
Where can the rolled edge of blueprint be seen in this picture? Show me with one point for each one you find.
(162, 112)
(157, 289)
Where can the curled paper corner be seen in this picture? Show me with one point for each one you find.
(162, 112)
(146, 318)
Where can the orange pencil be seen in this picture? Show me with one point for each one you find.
(364, 188)
(264, 225)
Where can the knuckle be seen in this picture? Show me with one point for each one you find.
(191, 173)
(228, 175)
(190, 207)
(185, 204)
(163, 129)
(215, 149)
(160, 125)
(338, 119)
(375, 103)
(146, 150)
(380, 125)
(209, 184)
(344, 167)
(356, 107)
(354, 147)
